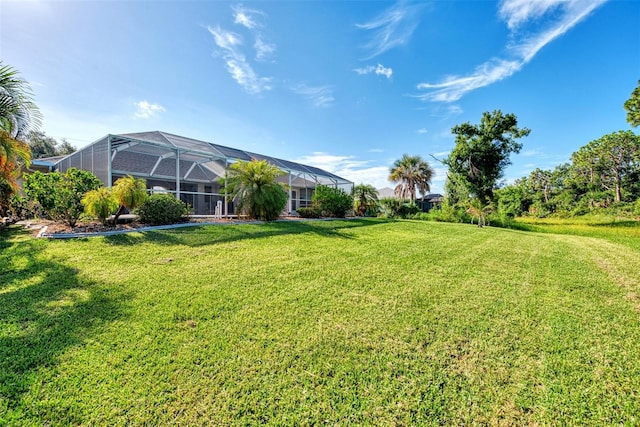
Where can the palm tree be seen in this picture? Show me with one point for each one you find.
(18, 116)
(411, 172)
(130, 193)
(365, 197)
(254, 185)
(100, 203)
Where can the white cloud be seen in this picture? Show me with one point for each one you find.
(319, 96)
(146, 110)
(422, 131)
(380, 70)
(565, 14)
(376, 150)
(358, 171)
(246, 17)
(264, 50)
(393, 27)
(236, 63)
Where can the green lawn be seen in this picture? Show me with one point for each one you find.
(361, 322)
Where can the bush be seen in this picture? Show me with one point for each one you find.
(100, 203)
(396, 208)
(331, 201)
(162, 209)
(59, 195)
(309, 212)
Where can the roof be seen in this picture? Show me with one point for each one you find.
(203, 149)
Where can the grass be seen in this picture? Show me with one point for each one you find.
(363, 322)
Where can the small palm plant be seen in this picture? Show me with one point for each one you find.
(365, 198)
(129, 193)
(255, 187)
(100, 203)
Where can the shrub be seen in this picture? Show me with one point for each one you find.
(332, 201)
(396, 208)
(100, 203)
(255, 187)
(60, 195)
(162, 209)
(309, 212)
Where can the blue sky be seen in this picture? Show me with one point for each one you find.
(348, 86)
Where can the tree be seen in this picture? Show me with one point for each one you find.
(482, 151)
(129, 193)
(603, 163)
(42, 146)
(632, 105)
(411, 172)
(365, 198)
(254, 185)
(18, 116)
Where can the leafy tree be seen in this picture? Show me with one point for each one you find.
(129, 193)
(60, 195)
(602, 164)
(632, 105)
(42, 146)
(40, 188)
(254, 185)
(410, 172)
(365, 198)
(333, 202)
(482, 151)
(100, 203)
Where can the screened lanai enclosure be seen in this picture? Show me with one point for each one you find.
(190, 169)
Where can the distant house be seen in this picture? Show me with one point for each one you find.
(430, 201)
(188, 168)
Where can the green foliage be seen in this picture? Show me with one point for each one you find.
(160, 209)
(392, 207)
(41, 189)
(332, 202)
(42, 145)
(253, 184)
(482, 151)
(365, 200)
(129, 192)
(100, 203)
(69, 191)
(59, 196)
(632, 105)
(309, 212)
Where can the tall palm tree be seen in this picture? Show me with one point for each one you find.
(365, 197)
(411, 173)
(255, 187)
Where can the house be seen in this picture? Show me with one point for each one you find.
(188, 168)
(430, 201)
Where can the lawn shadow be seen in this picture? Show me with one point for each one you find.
(45, 309)
(225, 233)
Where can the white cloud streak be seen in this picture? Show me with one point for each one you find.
(246, 17)
(422, 131)
(264, 50)
(393, 27)
(319, 96)
(379, 70)
(358, 171)
(236, 63)
(146, 110)
(565, 15)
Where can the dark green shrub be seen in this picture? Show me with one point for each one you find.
(162, 209)
(309, 212)
(396, 208)
(331, 201)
